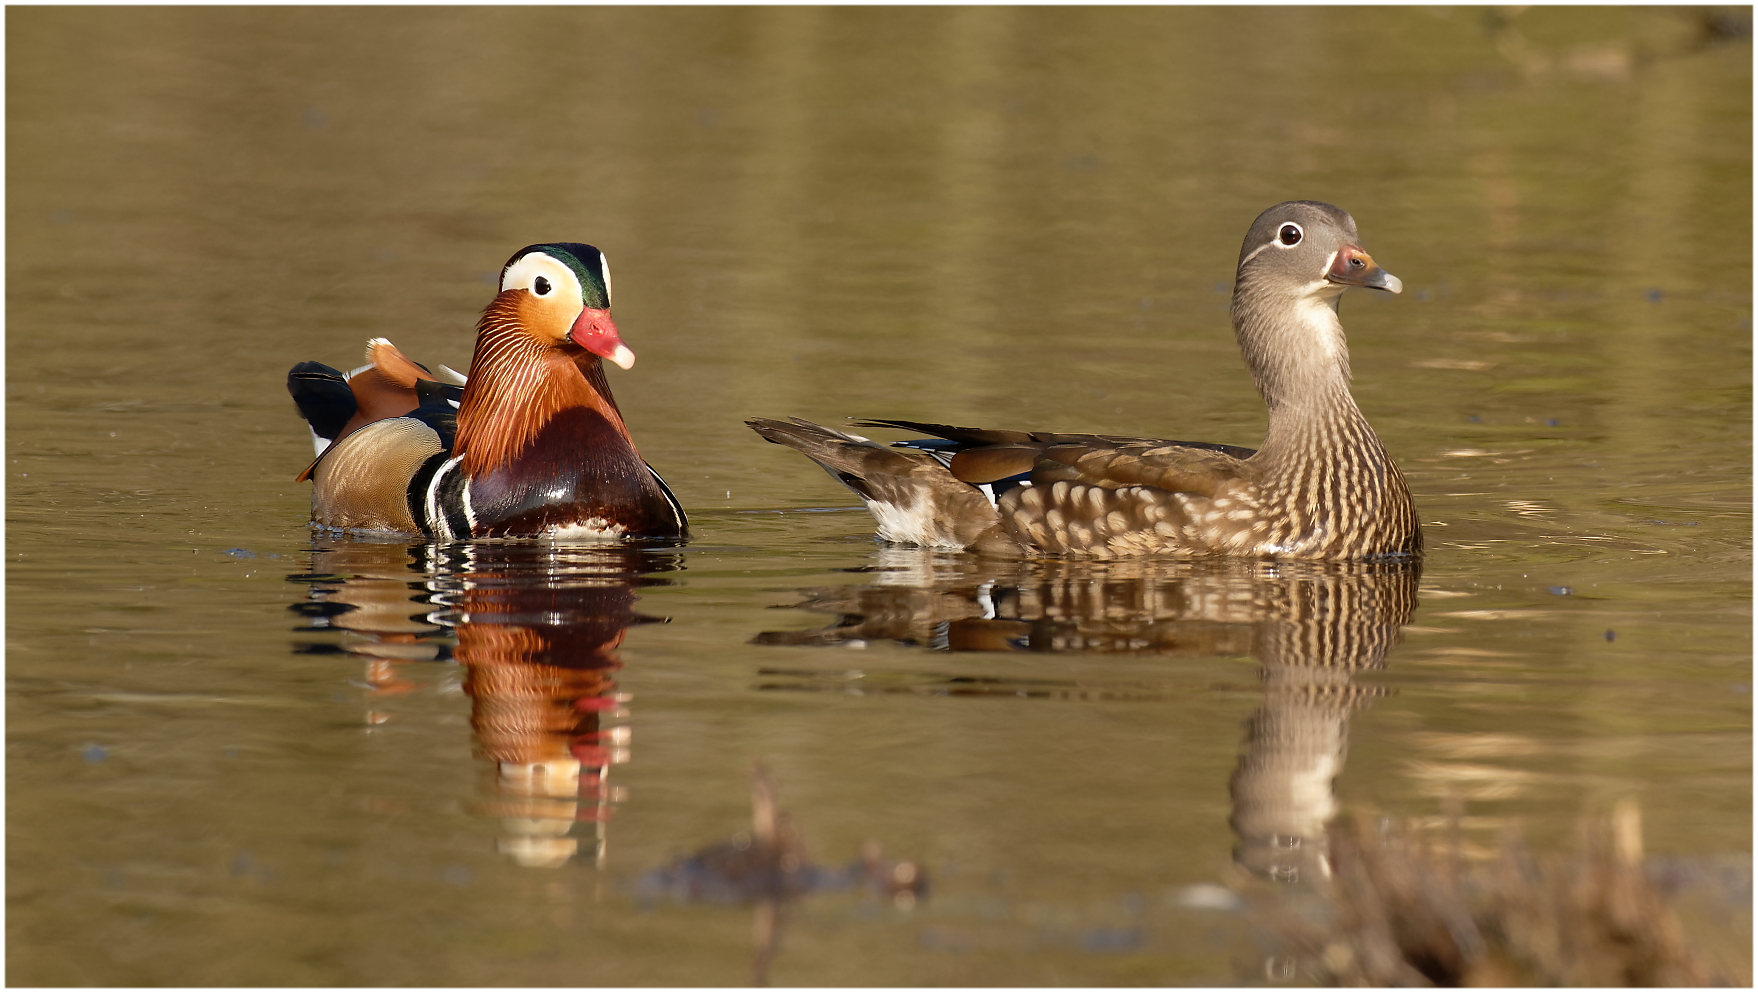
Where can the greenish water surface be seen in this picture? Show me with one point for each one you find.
(239, 753)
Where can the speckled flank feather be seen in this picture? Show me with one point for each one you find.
(1321, 487)
(362, 484)
(1355, 508)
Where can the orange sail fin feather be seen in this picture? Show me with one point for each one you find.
(383, 387)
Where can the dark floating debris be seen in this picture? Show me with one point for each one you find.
(240, 553)
(770, 862)
(1611, 636)
(320, 608)
(768, 868)
(1561, 590)
(319, 578)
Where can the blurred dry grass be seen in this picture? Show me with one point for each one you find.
(1411, 909)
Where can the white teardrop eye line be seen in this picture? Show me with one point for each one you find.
(1289, 235)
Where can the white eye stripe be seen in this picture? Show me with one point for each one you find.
(1276, 242)
(1256, 252)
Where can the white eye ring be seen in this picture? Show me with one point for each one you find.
(540, 286)
(1289, 235)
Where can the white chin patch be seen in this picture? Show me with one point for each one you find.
(622, 356)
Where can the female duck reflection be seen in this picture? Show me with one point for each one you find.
(536, 628)
(1310, 625)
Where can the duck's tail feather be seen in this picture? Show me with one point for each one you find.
(324, 399)
(910, 493)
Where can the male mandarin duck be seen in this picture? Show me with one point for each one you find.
(530, 444)
(1321, 487)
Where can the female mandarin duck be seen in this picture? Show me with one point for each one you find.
(531, 444)
(1321, 487)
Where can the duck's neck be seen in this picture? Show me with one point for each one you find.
(517, 385)
(1299, 358)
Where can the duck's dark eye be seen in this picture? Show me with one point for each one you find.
(1289, 235)
(540, 286)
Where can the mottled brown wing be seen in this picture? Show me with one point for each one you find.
(1167, 465)
(969, 436)
(1092, 495)
(972, 437)
(1110, 461)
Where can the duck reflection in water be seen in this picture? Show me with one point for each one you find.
(1311, 625)
(536, 628)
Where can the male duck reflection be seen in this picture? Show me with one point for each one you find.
(1321, 487)
(531, 444)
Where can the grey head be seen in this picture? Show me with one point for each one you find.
(1303, 247)
(1297, 259)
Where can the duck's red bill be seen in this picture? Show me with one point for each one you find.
(594, 331)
